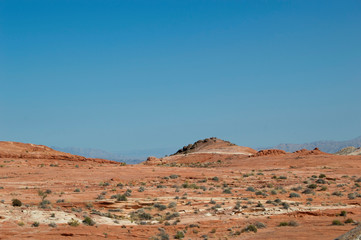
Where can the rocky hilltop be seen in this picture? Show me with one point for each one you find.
(215, 145)
(207, 150)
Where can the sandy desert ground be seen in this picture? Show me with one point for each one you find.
(208, 194)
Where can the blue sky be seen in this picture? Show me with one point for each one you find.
(128, 75)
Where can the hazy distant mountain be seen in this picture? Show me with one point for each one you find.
(129, 157)
(325, 146)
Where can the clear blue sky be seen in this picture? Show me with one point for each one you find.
(127, 75)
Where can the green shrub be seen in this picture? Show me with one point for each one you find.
(215, 179)
(294, 195)
(293, 223)
(343, 213)
(121, 197)
(179, 235)
(35, 224)
(312, 186)
(337, 222)
(160, 207)
(16, 203)
(250, 228)
(250, 189)
(349, 220)
(73, 222)
(88, 221)
(227, 191)
(283, 224)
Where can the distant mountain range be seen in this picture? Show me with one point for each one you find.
(134, 157)
(129, 157)
(325, 146)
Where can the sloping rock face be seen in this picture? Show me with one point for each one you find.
(353, 234)
(19, 150)
(349, 151)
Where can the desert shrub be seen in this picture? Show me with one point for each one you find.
(170, 216)
(44, 204)
(16, 203)
(179, 235)
(308, 191)
(172, 204)
(283, 224)
(337, 193)
(160, 207)
(343, 214)
(104, 184)
(141, 189)
(100, 197)
(238, 205)
(21, 223)
(119, 197)
(173, 176)
(250, 228)
(322, 175)
(312, 186)
(88, 221)
(216, 206)
(337, 222)
(250, 189)
(163, 235)
(285, 205)
(294, 195)
(323, 188)
(227, 191)
(358, 180)
(282, 177)
(351, 196)
(260, 225)
(349, 220)
(77, 190)
(52, 224)
(217, 179)
(73, 222)
(293, 223)
(35, 224)
(296, 188)
(273, 192)
(320, 181)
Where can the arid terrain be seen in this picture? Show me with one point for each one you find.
(211, 189)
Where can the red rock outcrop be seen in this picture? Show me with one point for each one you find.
(315, 151)
(267, 152)
(153, 161)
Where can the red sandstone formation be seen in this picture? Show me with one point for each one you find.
(269, 152)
